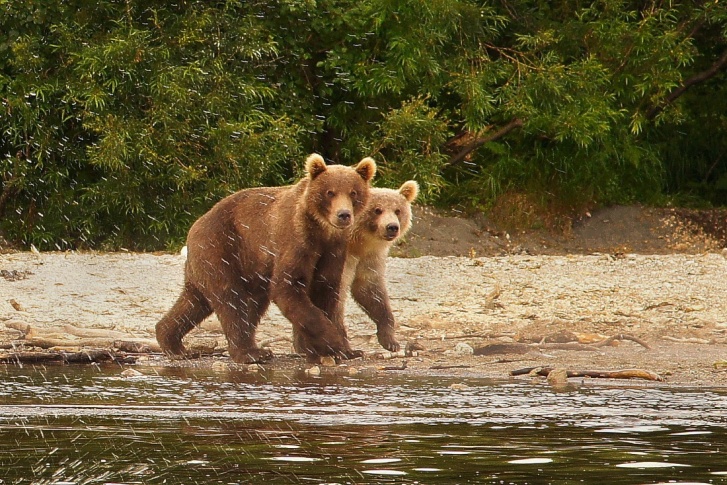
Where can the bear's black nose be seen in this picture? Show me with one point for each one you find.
(344, 216)
(392, 229)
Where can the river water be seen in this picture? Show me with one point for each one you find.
(88, 425)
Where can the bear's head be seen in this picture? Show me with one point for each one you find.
(336, 193)
(387, 216)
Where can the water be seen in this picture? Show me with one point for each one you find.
(89, 425)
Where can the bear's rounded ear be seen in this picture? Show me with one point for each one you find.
(409, 190)
(366, 168)
(315, 165)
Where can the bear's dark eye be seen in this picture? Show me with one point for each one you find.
(330, 193)
(378, 211)
(354, 194)
(397, 211)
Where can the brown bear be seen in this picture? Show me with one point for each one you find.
(285, 244)
(387, 217)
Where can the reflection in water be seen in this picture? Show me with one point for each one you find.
(84, 425)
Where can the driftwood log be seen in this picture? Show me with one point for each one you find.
(69, 344)
(139, 346)
(621, 336)
(61, 357)
(454, 366)
(524, 348)
(70, 337)
(616, 374)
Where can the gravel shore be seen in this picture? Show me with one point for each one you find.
(677, 304)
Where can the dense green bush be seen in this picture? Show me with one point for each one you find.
(123, 121)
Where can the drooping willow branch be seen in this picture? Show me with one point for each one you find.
(700, 77)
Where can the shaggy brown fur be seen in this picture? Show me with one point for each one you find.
(285, 244)
(386, 218)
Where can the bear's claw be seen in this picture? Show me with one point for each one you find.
(388, 342)
(352, 354)
(252, 356)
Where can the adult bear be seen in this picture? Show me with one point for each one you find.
(285, 244)
(387, 218)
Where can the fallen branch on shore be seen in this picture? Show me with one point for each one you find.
(64, 337)
(568, 337)
(62, 357)
(29, 331)
(72, 338)
(687, 340)
(524, 348)
(616, 374)
(476, 335)
(140, 345)
(621, 336)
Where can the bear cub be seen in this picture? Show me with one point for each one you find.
(282, 244)
(386, 218)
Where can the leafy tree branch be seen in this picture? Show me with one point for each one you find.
(473, 145)
(698, 78)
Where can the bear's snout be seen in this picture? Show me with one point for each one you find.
(392, 230)
(344, 217)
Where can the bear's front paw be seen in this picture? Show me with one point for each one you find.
(184, 355)
(252, 355)
(179, 352)
(352, 354)
(172, 346)
(343, 352)
(388, 342)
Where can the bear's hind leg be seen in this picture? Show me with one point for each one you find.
(239, 311)
(188, 311)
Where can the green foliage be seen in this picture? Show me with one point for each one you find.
(408, 147)
(125, 121)
(122, 122)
